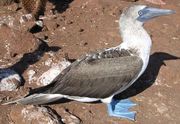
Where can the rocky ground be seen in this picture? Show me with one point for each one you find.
(74, 27)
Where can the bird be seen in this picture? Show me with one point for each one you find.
(31, 6)
(100, 75)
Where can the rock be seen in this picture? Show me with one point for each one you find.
(48, 76)
(8, 20)
(2, 98)
(34, 115)
(50, 25)
(69, 118)
(9, 80)
(16, 20)
(25, 18)
(14, 43)
(31, 76)
(159, 2)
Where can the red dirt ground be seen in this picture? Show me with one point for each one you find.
(81, 26)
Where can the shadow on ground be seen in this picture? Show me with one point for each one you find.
(149, 77)
(31, 58)
(60, 5)
(145, 81)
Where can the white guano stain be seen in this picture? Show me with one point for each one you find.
(48, 76)
(9, 80)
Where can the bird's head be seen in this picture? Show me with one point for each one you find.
(138, 14)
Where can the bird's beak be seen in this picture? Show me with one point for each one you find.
(150, 12)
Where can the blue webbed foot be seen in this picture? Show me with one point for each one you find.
(120, 108)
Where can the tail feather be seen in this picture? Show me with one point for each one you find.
(36, 99)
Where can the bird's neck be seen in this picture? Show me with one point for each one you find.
(136, 38)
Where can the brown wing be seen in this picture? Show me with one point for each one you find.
(97, 78)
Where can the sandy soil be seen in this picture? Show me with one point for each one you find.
(80, 26)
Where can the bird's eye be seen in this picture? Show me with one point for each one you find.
(140, 13)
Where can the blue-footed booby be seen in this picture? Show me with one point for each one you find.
(103, 74)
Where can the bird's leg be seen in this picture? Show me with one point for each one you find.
(120, 108)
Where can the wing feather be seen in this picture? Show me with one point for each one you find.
(97, 78)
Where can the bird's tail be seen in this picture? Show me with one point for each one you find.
(36, 99)
(41, 95)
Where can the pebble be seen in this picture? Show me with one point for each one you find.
(9, 80)
(69, 118)
(8, 20)
(31, 76)
(34, 115)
